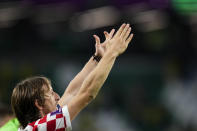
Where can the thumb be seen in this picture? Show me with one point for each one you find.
(106, 35)
(97, 39)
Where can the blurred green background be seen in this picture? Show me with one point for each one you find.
(152, 86)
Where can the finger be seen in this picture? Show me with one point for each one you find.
(124, 31)
(120, 30)
(127, 33)
(106, 35)
(129, 39)
(111, 33)
(96, 49)
(97, 39)
(96, 45)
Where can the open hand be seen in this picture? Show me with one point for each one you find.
(119, 43)
(102, 47)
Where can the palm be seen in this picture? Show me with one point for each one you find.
(102, 47)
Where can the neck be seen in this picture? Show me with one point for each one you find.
(42, 114)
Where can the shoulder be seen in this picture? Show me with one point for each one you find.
(58, 119)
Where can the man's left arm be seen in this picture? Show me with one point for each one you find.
(76, 83)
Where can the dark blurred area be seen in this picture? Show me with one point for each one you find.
(152, 86)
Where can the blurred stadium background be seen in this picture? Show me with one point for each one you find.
(152, 87)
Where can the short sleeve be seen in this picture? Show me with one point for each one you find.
(67, 116)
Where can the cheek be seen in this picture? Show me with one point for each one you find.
(52, 102)
(50, 105)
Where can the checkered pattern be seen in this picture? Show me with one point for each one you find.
(58, 120)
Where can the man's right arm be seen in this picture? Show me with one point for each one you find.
(97, 77)
(91, 85)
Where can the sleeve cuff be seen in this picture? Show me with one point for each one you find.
(67, 116)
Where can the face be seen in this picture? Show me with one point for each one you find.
(51, 100)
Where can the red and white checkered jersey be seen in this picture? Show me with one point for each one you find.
(58, 120)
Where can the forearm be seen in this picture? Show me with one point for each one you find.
(94, 81)
(76, 83)
(91, 85)
(97, 77)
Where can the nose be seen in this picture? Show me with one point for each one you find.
(57, 97)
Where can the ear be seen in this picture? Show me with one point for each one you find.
(38, 105)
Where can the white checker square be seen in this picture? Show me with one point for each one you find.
(29, 128)
(37, 122)
(49, 117)
(42, 127)
(60, 123)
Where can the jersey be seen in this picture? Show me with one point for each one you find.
(58, 120)
(11, 125)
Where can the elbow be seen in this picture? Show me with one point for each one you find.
(91, 97)
(93, 91)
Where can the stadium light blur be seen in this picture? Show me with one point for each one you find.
(94, 18)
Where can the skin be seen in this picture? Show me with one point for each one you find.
(51, 97)
(86, 85)
(94, 81)
(51, 100)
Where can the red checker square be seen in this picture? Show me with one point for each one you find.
(32, 124)
(51, 125)
(35, 128)
(61, 129)
(59, 116)
(43, 120)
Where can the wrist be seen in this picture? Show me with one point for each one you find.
(111, 53)
(96, 58)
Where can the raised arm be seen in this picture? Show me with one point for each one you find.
(97, 77)
(76, 83)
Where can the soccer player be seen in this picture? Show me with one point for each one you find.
(38, 107)
(11, 125)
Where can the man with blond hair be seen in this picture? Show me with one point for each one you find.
(38, 107)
